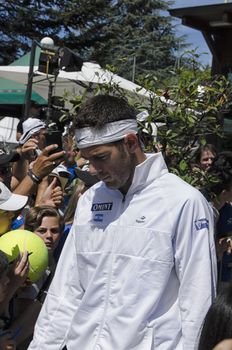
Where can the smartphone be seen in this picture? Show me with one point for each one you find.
(54, 137)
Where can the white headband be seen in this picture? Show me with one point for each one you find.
(111, 132)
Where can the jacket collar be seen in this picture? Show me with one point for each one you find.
(152, 168)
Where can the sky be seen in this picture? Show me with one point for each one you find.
(195, 37)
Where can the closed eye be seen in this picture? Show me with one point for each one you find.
(104, 156)
(99, 157)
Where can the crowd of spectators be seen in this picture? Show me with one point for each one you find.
(39, 190)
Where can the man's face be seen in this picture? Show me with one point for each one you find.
(112, 163)
(206, 159)
(40, 136)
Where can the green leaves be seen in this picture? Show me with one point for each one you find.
(183, 165)
(186, 108)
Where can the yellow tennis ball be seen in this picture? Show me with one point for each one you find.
(13, 242)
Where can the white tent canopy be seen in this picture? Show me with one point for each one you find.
(8, 127)
(73, 82)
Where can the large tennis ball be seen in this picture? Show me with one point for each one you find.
(13, 242)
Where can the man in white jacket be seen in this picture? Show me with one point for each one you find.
(138, 270)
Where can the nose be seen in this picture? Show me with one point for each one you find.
(48, 234)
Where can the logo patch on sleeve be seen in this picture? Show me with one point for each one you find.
(201, 223)
(101, 206)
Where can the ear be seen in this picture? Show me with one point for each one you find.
(131, 141)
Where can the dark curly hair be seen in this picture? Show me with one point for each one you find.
(101, 109)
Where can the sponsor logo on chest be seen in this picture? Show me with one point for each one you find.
(102, 206)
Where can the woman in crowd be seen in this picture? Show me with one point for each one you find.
(204, 156)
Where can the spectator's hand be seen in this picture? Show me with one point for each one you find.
(28, 149)
(45, 163)
(53, 195)
(19, 271)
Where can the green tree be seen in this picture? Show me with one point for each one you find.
(125, 34)
(77, 24)
(21, 21)
(192, 113)
(187, 110)
(83, 25)
(141, 39)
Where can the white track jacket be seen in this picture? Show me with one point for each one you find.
(137, 272)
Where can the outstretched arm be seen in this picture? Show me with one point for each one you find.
(40, 168)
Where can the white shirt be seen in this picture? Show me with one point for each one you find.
(137, 272)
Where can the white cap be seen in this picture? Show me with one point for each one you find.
(30, 127)
(11, 201)
(59, 170)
